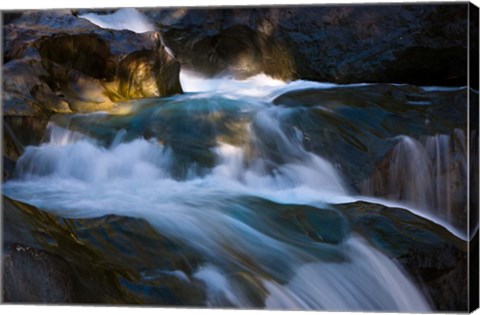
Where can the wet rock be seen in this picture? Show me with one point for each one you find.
(58, 62)
(241, 52)
(108, 260)
(429, 173)
(20, 131)
(8, 167)
(357, 126)
(148, 73)
(86, 53)
(22, 79)
(31, 275)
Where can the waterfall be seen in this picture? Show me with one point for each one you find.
(428, 174)
(75, 175)
(210, 169)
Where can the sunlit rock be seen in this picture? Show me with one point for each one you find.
(149, 73)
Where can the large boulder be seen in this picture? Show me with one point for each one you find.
(23, 34)
(56, 62)
(421, 44)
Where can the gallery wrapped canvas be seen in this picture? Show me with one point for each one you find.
(301, 157)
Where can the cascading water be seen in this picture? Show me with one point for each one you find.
(208, 169)
(429, 174)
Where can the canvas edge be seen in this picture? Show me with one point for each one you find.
(473, 177)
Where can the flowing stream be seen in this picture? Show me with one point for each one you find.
(202, 169)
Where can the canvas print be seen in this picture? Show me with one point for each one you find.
(315, 157)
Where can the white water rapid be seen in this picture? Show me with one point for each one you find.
(210, 153)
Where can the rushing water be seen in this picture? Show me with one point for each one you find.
(122, 19)
(428, 174)
(191, 164)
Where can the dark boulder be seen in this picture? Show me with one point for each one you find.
(86, 53)
(23, 34)
(241, 52)
(422, 44)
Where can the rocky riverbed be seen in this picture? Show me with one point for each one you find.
(198, 158)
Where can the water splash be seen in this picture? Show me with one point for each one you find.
(258, 86)
(122, 19)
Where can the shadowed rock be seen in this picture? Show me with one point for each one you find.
(242, 52)
(86, 53)
(423, 44)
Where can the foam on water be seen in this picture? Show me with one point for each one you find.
(122, 19)
(72, 161)
(258, 86)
